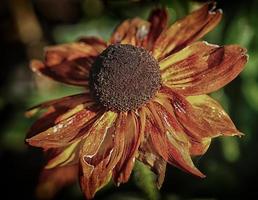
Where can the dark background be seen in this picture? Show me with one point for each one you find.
(26, 26)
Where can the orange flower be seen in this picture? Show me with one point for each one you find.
(145, 98)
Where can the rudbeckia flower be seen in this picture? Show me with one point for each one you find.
(145, 98)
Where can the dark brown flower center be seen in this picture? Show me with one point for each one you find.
(124, 77)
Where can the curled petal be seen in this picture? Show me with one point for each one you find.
(100, 152)
(67, 102)
(166, 111)
(53, 180)
(67, 128)
(134, 133)
(68, 63)
(97, 43)
(202, 68)
(173, 151)
(187, 30)
(64, 156)
(149, 156)
(56, 111)
(205, 120)
(158, 23)
(133, 31)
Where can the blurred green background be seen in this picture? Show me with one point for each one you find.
(26, 26)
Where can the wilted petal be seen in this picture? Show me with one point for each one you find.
(210, 110)
(202, 121)
(100, 152)
(66, 128)
(56, 111)
(64, 156)
(133, 31)
(97, 43)
(173, 151)
(149, 156)
(68, 63)
(158, 23)
(199, 148)
(202, 68)
(133, 133)
(53, 180)
(166, 112)
(187, 30)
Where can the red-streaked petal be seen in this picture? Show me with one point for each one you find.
(187, 30)
(175, 152)
(133, 31)
(202, 68)
(207, 120)
(149, 156)
(51, 181)
(158, 23)
(100, 153)
(66, 130)
(67, 63)
(97, 43)
(56, 111)
(133, 133)
(166, 111)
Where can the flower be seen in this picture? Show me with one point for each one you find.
(145, 98)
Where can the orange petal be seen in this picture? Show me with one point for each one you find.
(202, 68)
(166, 111)
(202, 121)
(67, 127)
(100, 152)
(172, 150)
(210, 110)
(51, 181)
(134, 133)
(97, 43)
(67, 63)
(149, 156)
(199, 148)
(158, 23)
(56, 111)
(133, 31)
(187, 30)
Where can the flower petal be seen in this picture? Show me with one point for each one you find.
(211, 111)
(68, 63)
(97, 43)
(173, 151)
(158, 23)
(202, 68)
(133, 31)
(51, 181)
(134, 133)
(199, 148)
(64, 156)
(62, 129)
(207, 120)
(100, 152)
(166, 111)
(56, 111)
(187, 30)
(149, 156)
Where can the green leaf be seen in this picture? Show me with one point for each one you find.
(145, 180)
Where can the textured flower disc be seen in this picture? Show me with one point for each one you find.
(124, 77)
